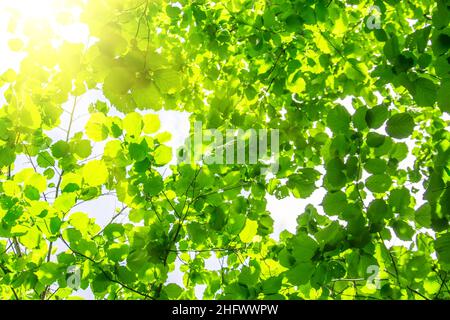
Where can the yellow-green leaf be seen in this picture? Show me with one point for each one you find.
(95, 173)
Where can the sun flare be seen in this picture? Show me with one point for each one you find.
(43, 19)
(35, 9)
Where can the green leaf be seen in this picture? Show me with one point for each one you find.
(132, 124)
(293, 23)
(442, 246)
(374, 139)
(7, 156)
(250, 274)
(218, 219)
(48, 273)
(32, 238)
(55, 225)
(376, 116)
(163, 155)
(151, 123)
(418, 267)
(138, 152)
(422, 36)
(303, 184)
(300, 274)
(117, 252)
(338, 119)
(334, 202)
(296, 84)
(400, 126)
(359, 118)
(303, 247)
(375, 166)
(168, 81)
(95, 173)
(443, 96)
(272, 285)
(30, 116)
(391, 48)
(441, 42)
(399, 151)
(65, 202)
(100, 284)
(45, 160)
(399, 200)
(80, 221)
(331, 236)
(403, 230)
(82, 148)
(146, 95)
(378, 210)
(96, 127)
(173, 291)
(249, 232)
(335, 176)
(379, 183)
(60, 149)
(197, 233)
(425, 92)
(423, 215)
(32, 193)
(153, 185)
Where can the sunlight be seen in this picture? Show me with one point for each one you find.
(34, 9)
(43, 18)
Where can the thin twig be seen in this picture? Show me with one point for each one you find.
(104, 272)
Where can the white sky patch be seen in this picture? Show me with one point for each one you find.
(199, 290)
(176, 276)
(412, 22)
(285, 211)
(347, 103)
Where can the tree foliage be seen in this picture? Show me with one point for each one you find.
(242, 64)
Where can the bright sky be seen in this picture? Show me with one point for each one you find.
(284, 212)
